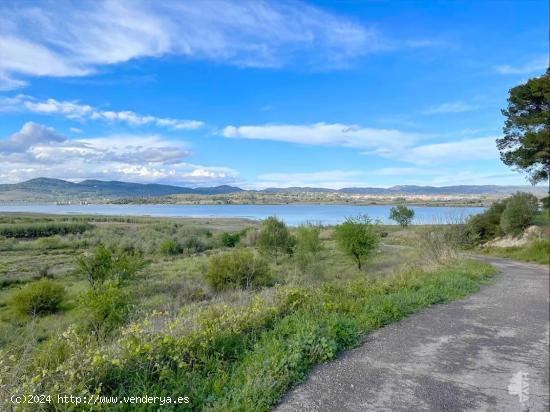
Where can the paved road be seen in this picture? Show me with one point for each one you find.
(469, 355)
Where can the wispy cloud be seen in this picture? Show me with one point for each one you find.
(75, 38)
(538, 64)
(78, 111)
(386, 143)
(450, 107)
(483, 148)
(399, 171)
(325, 134)
(37, 150)
(331, 179)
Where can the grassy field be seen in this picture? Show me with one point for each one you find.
(227, 350)
(537, 251)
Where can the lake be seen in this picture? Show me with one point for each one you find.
(292, 214)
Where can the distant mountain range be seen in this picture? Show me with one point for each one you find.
(57, 189)
(45, 189)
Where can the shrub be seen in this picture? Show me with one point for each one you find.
(519, 213)
(274, 238)
(39, 229)
(486, 226)
(105, 265)
(195, 244)
(237, 269)
(308, 245)
(107, 306)
(402, 215)
(38, 298)
(357, 237)
(442, 244)
(230, 239)
(170, 247)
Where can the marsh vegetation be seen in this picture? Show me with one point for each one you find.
(228, 312)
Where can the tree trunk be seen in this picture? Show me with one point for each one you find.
(358, 259)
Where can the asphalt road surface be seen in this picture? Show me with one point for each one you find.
(488, 352)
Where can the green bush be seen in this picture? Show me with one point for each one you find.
(107, 306)
(39, 229)
(38, 298)
(170, 247)
(357, 237)
(274, 238)
(486, 226)
(238, 269)
(519, 213)
(230, 239)
(104, 264)
(402, 215)
(195, 244)
(308, 245)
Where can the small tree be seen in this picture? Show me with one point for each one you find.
(274, 238)
(357, 237)
(308, 245)
(402, 215)
(519, 213)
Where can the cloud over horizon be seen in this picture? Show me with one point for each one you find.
(37, 151)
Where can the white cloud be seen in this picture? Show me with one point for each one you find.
(37, 150)
(326, 134)
(331, 179)
(78, 111)
(483, 148)
(447, 177)
(450, 107)
(539, 64)
(75, 38)
(495, 173)
(8, 83)
(492, 173)
(386, 143)
(399, 171)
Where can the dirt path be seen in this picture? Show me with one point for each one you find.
(469, 355)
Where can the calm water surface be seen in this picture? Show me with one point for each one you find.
(292, 214)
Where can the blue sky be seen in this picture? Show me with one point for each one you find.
(259, 94)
